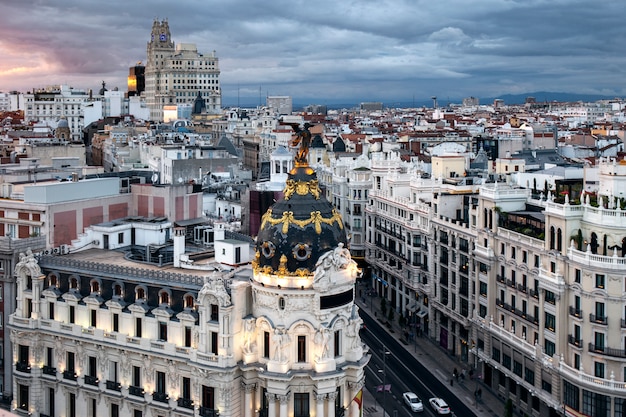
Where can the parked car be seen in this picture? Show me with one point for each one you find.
(413, 401)
(439, 405)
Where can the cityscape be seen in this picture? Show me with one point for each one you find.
(165, 253)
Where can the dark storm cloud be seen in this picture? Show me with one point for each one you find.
(353, 50)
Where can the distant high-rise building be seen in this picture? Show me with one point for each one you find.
(282, 104)
(136, 80)
(470, 102)
(175, 74)
(371, 106)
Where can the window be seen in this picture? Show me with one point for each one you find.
(120, 238)
(71, 405)
(208, 398)
(72, 315)
(163, 331)
(160, 382)
(23, 402)
(550, 348)
(300, 404)
(600, 281)
(571, 396)
(577, 276)
(337, 343)
(266, 344)
(598, 368)
(598, 339)
(93, 407)
(91, 368)
(115, 410)
(517, 368)
(92, 321)
(186, 388)
(138, 327)
(301, 348)
(116, 322)
(529, 376)
(495, 354)
(187, 336)
(51, 311)
(550, 322)
(214, 346)
(215, 312)
(136, 376)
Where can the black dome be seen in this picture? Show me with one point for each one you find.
(298, 229)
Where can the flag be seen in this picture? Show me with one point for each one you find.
(358, 398)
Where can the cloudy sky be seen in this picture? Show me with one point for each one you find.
(329, 50)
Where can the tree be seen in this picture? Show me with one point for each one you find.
(508, 408)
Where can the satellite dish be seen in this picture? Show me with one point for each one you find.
(155, 178)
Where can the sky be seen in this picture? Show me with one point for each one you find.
(328, 50)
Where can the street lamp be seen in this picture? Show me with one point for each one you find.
(384, 371)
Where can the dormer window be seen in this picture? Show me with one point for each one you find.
(140, 294)
(189, 301)
(73, 283)
(95, 287)
(118, 291)
(52, 280)
(164, 297)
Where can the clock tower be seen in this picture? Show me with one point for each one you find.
(176, 74)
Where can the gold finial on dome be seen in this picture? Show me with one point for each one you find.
(303, 138)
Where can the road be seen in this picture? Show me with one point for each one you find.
(404, 373)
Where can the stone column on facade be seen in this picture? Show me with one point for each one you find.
(271, 404)
(249, 390)
(353, 406)
(331, 404)
(320, 399)
(284, 401)
(37, 288)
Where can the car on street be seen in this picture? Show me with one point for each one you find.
(439, 405)
(413, 402)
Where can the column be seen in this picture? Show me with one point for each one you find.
(271, 406)
(249, 404)
(319, 404)
(284, 401)
(331, 404)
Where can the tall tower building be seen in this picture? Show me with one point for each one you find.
(176, 74)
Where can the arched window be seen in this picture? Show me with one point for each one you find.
(189, 301)
(140, 294)
(164, 297)
(559, 239)
(52, 280)
(552, 237)
(95, 287)
(118, 291)
(73, 283)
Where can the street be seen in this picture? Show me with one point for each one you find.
(404, 373)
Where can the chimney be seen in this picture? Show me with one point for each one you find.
(179, 245)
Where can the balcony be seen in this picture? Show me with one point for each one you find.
(522, 288)
(500, 279)
(136, 391)
(576, 312)
(574, 341)
(70, 375)
(22, 367)
(209, 412)
(49, 370)
(534, 293)
(91, 380)
(114, 386)
(185, 403)
(160, 397)
(598, 319)
(617, 353)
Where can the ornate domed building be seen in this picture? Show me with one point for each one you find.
(303, 344)
(193, 337)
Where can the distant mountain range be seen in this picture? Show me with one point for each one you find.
(509, 99)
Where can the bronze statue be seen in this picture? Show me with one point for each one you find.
(303, 138)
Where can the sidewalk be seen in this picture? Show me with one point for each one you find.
(440, 363)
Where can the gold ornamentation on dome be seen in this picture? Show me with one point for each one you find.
(302, 188)
(302, 272)
(282, 266)
(316, 218)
